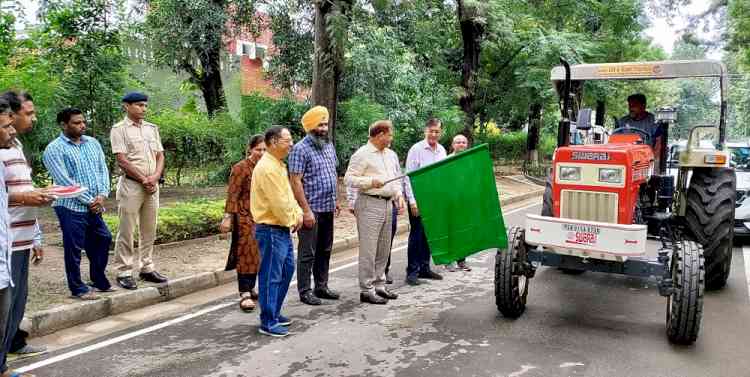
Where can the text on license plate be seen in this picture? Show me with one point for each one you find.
(581, 234)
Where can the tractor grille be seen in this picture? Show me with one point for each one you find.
(589, 206)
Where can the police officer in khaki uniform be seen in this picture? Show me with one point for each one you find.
(137, 147)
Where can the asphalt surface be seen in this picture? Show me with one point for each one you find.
(588, 325)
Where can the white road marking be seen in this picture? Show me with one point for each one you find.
(184, 318)
(150, 329)
(746, 258)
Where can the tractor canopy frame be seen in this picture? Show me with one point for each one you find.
(567, 77)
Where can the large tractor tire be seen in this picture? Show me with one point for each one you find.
(547, 198)
(709, 217)
(685, 304)
(511, 289)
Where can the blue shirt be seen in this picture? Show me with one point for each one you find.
(5, 238)
(318, 169)
(77, 164)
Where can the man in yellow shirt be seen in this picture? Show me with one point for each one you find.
(276, 214)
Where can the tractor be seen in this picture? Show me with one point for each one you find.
(602, 201)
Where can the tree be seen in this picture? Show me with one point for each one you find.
(82, 41)
(8, 10)
(189, 36)
(331, 27)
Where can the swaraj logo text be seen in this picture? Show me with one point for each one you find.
(592, 156)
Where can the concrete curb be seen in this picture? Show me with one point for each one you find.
(48, 321)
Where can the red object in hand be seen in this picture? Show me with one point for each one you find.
(63, 189)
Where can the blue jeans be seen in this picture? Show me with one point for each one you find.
(418, 252)
(276, 270)
(84, 230)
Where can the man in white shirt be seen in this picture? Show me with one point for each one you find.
(370, 167)
(421, 154)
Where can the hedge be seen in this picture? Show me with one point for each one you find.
(182, 220)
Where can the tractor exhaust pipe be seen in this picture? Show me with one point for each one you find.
(563, 129)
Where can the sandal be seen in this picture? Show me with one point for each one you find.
(247, 304)
(88, 296)
(254, 294)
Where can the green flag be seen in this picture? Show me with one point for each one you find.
(459, 205)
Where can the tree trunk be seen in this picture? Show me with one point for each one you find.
(209, 81)
(328, 64)
(471, 34)
(532, 138)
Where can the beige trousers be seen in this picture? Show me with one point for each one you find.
(374, 218)
(137, 210)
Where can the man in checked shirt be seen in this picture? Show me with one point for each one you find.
(312, 170)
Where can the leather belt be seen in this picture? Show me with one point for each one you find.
(379, 197)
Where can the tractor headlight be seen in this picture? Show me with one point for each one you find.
(610, 175)
(570, 173)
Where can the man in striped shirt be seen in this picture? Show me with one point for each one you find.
(76, 159)
(24, 229)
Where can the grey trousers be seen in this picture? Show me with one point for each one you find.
(4, 311)
(374, 219)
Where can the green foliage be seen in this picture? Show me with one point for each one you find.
(82, 42)
(182, 221)
(7, 30)
(505, 147)
(291, 24)
(739, 30)
(189, 36)
(355, 117)
(193, 140)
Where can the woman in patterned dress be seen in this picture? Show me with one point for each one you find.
(243, 252)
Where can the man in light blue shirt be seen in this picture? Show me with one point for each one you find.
(74, 159)
(421, 154)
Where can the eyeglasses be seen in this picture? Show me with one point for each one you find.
(289, 140)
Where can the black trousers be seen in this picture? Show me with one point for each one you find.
(314, 252)
(393, 234)
(419, 251)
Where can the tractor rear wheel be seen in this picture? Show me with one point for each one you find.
(709, 216)
(547, 198)
(685, 304)
(511, 289)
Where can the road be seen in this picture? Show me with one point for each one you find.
(587, 325)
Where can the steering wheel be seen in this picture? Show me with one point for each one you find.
(626, 130)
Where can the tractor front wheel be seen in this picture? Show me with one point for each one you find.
(709, 217)
(511, 288)
(547, 198)
(685, 304)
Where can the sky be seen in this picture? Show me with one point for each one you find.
(665, 35)
(661, 31)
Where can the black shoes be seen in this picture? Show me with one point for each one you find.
(430, 275)
(412, 281)
(153, 277)
(371, 298)
(309, 298)
(127, 282)
(326, 293)
(384, 293)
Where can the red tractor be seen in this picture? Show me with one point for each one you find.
(603, 201)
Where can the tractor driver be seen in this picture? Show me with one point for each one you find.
(638, 117)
